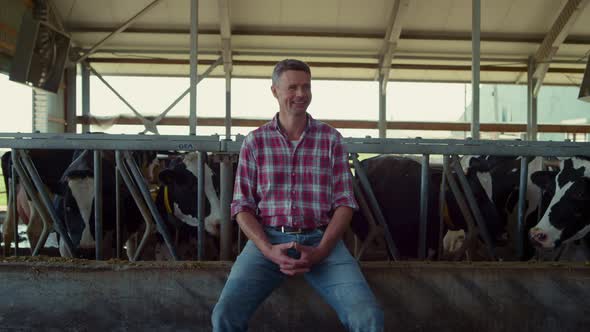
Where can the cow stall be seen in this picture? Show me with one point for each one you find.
(74, 294)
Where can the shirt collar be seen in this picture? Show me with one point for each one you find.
(311, 123)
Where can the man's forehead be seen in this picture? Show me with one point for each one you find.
(295, 75)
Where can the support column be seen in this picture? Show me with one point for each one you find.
(475, 44)
(85, 96)
(70, 113)
(531, 123)
(382, 108)
(193, 66)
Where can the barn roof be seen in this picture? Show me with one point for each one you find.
(426, 40)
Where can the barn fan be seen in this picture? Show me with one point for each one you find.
(40, 55)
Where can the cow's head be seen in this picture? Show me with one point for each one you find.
(179, 193)
(567, 217)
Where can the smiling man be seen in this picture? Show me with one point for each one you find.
(293, 198)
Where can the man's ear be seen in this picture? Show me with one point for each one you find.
(273, 88)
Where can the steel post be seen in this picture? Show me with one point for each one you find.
(366, 185)
(98, 203)
(424, 184)
(226, 174)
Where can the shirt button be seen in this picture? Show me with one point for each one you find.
(293, 174)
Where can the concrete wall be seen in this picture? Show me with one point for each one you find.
(106, 296)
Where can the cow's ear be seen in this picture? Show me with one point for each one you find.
(479, 164)
(544, 179)
(580, 190)
(166, 176)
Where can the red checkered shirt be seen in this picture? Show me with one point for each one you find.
(297, 184)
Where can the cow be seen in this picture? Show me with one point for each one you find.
(77, 204)
(50, 165)
(493, 181)
(567, 217)
(177, 203)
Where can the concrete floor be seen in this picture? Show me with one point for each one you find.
(77, 295)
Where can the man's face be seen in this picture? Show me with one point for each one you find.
(293, 92)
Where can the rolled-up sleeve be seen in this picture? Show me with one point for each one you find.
(245, 197)
(343, 191)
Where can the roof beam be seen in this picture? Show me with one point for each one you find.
(392, 36)
(554, 38)
(121, 28)
(225, 32)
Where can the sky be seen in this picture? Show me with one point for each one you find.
(251, 98)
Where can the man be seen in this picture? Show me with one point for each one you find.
(293, 198)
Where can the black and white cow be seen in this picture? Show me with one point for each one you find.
(494, 182)
(567, 217)
(50, 165)
(77, 205)
(177, 203)
(499, 177)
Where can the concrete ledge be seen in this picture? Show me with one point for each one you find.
(78, 295)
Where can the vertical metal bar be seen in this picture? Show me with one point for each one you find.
(226, 174)
(98, 203)
(143, 189)
(382, 108)
(366, 185)
(70, 115)
(522, 191)
(31, 191)
(57, 223)
(139, 201)
(475, 44)
(481, 226)
(14, 202)
(531, 125)
(85, 96)
(228, 106)
(118, 245)
(442, 202)
(193, 67)
(424, 183)
(201, 204)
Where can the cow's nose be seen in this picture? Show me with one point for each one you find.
(537, 236)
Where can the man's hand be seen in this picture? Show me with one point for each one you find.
(309, 257)
(289, 266)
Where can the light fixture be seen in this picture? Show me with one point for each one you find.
(585, 87)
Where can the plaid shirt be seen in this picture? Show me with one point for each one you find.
(297, 184)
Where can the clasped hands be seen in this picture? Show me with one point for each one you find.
(309, 256)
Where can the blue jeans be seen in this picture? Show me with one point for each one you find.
(338, 279)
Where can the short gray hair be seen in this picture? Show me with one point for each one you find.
(288, 64)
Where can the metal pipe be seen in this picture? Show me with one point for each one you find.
(85, 95)
(199, 79)
(481, 226)
(227, 105)
(366, 185)
(442, 202)
(522, 194)
(139, 200)
(119, 244)
(37, 205)
(147, 198)
(71, 93)
(200, 204)
(193, 67)
(531, 102)
(382, 108)
(13, 202)
(121, 28)
(57, 223)
(226, 174)
(475, 68)
(98, 204)
(424, 184)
